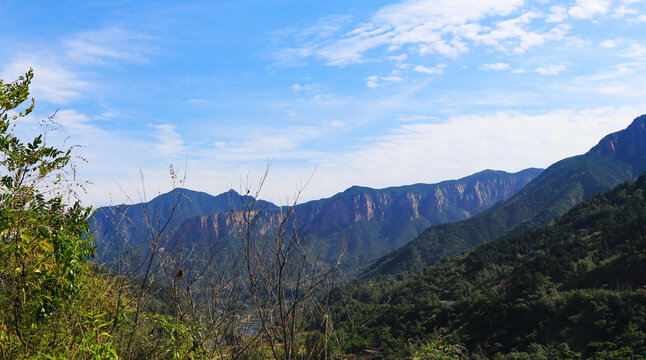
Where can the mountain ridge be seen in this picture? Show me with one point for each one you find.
(556, 190)
(366, 222)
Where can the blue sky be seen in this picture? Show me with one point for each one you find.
(372, 93)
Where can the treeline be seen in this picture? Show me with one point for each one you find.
(572, 289)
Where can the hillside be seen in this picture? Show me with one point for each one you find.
(618, 157)
(572, 289)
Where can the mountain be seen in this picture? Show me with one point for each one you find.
(618, 157)
(574, 289)
(370, 222)
(364, 222)
(129, 226)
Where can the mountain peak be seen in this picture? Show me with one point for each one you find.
(628, 145)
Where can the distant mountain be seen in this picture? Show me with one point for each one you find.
(574, 289)
(364, 222)
(124, 227)
(618, 157)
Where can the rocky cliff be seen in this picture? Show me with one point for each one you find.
(363, 223)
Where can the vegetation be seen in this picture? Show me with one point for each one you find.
(146, 302)
(572, 289)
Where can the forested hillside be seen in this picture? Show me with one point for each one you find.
(575, 288)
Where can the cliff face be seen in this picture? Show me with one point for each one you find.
(224, 227)
(363, 223)
(452, 200)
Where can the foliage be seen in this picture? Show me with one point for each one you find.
(572, 288)
(43, 241)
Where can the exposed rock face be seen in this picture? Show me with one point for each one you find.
(361, 222)
(454, 200)
(225, 226)
(366, 222)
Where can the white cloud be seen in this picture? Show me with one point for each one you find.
(372, 81)
(608, 44)
(513, 33)
(635, 50)
(615, 89)
(267, 143)
(623, 10)
(110, 44)
(379, 81)
(557, 14)
(429, 70)
(74, 122)
(551, 69)
(615, 71)
(52, 83)
(461, 145)
(586, 9)
(443, 27)
(495, 67)
(401, 57)
(416, 117)
(170, 142)
(63, 69)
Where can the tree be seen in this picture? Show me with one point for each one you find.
(43, 240)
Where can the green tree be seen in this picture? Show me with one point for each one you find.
(43, 239)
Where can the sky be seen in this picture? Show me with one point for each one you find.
(328, 94)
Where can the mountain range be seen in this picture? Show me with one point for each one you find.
(422, 223)
(361, 223)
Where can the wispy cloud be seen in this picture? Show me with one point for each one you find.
(375, 81)
(110, 44)
(495, 67)
(64, 69)
(635, 50)
(614, 71)
(169, 141)
(551, 70)
(286, 143)
(446, 28)
(429, 70)
(52, 82)
(586, 9)
(468, 143)
(557, 14)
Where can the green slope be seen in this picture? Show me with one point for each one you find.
(572, 289)
(561, 186)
